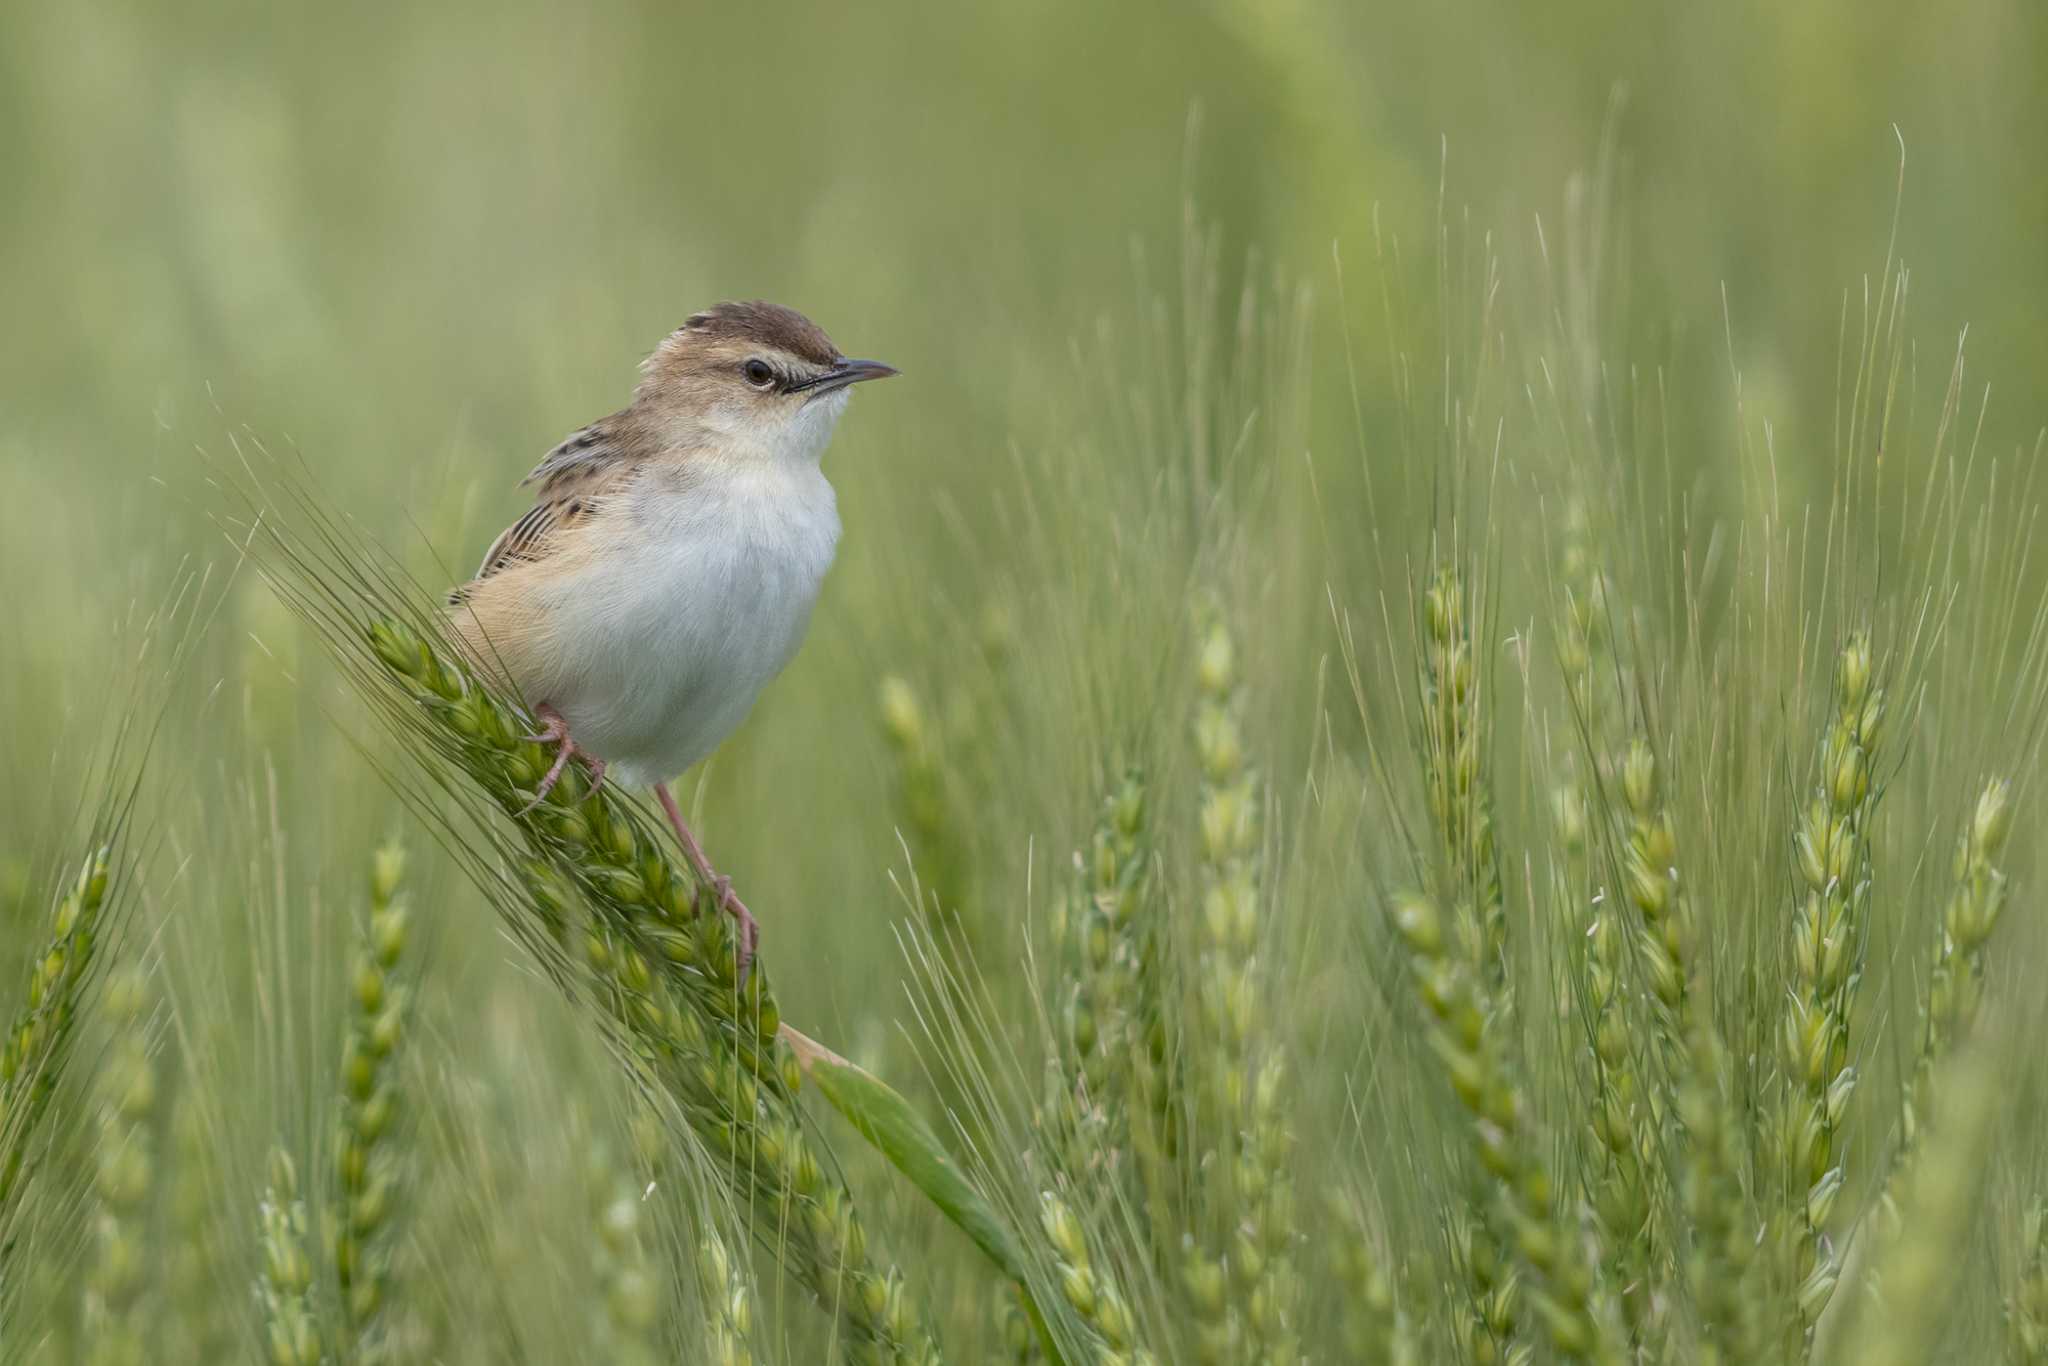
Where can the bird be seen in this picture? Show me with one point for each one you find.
(667, 570)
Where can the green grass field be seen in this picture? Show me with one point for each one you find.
(1423, 747)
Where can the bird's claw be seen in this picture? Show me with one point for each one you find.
(743, 921)
(555, 731)
(719, 885)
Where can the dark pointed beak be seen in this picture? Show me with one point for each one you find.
(845, 372)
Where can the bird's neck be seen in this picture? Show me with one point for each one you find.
(790, 443)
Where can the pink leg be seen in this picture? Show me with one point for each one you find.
(556, 732)
(749, 928)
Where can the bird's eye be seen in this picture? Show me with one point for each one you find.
(759, 373)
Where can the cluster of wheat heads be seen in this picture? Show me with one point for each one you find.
(1708, 1188)
(1651, 1151)
(1708, 1024)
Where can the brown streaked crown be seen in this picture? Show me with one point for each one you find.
(757, 320)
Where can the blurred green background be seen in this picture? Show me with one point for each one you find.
(394, 230)
(416, 244)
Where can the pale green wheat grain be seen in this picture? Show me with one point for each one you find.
(1091, 1291)
(1955, 986)
(1667, 951)
(1938, 1205)
(291, 1333)
(1564, 1293)
(729, 1301)
(936, 843)
(33, 1054)
(1104, 932)
(2026, 1307)
(1619, 1181)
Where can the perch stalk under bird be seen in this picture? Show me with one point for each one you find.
(667, 569)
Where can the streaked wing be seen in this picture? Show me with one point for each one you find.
(526, 540)
(573, 480)
(583, 455)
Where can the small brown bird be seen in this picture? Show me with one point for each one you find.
(667, 570)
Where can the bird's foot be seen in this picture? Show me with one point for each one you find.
(748, 928)
(555, 731)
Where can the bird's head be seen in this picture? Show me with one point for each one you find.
(754, 380)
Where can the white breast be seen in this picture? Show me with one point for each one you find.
(679, 626)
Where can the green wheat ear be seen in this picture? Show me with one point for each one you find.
(1483, 1079)
(1105, 933)
(33, 1055)
(1832, 858)
(1624, 1177)
(2026, 1308)
(1955, 985)
(290, 1331)
(367, 1160)
(729, 1302)
(936, 841)
(1939, 1205)
(1239, 1272)
(1090, 1291)
(1489, 1318)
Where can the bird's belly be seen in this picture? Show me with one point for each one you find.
(671, 642)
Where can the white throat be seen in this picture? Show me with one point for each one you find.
(789, 446)
(805, 435)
